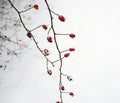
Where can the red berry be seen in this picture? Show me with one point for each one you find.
(62, 88)
(69, 78)
(29, 35)
(36, 6)
(71, 49)
(58, 102)
(66, 55)
(49, 38)
(61, 18)
(49, 72)
(46, 52)
(72, 35)
(44, 26)
(71, 94)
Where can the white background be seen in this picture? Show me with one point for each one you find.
(95, 65)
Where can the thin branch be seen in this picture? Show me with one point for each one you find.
(61, 34)
(54, 12)
(14, 42)
(49, 30)
(60, 58)
(41, 51)
(25, 10)
(36, 28)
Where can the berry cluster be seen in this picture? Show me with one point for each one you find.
(50, 39)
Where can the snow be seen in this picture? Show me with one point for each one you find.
(95, 65)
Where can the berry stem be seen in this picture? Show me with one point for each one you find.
(64, 51)
(57, 60)
(54, 13)
(25, 10)
(61, 34)
(19, 15)
(36, 28)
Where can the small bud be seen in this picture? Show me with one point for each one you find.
(62, 88)
(61, 18)
(49, 38)
(29, 35)
(36, 6)
(44, 27)
(49, 72)
(66, 55)
(71, 94)
(72, 35)
(71, 49)
(46, 52)
(58, 102)
(69, 78)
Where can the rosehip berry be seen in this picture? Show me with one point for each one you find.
(66, 55)
(71, 49)
(58, 102)
(71, 94)
(44, 26)
(62, 88)
(69, 78)
(72, 35)
(49, 72)
(29, 35)
(61, 18)
(36, 6)
(49, 38)
(46, 52)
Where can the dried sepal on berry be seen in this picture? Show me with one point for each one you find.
(58, 102)
(36, 6)
(66, 55)
(49, 72)
(61, 18)
(29, 34)
(49, 39)
(69, 78)
(44, 27)
(72, 35)
(46, 52)
(62, 88)
(71, 94)
(71, 49)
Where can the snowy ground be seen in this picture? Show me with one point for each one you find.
(95, 66)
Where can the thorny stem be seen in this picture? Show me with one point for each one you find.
(60, 58)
